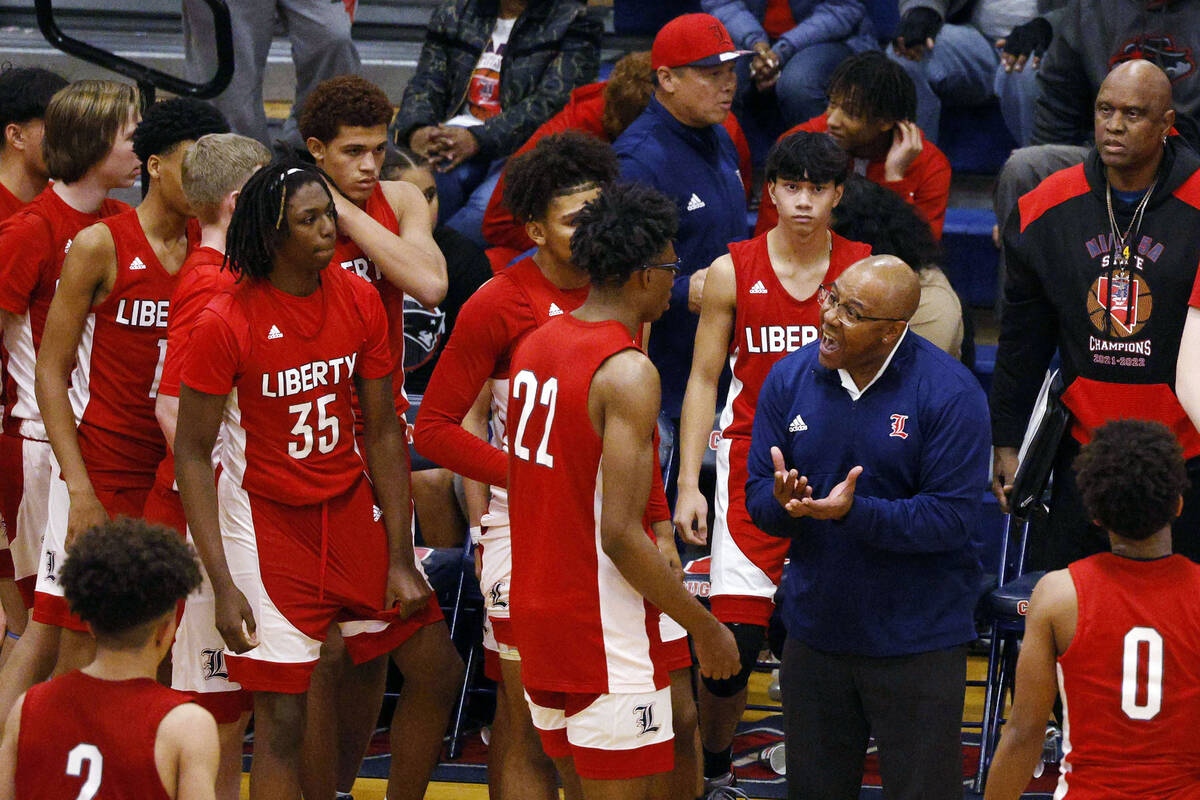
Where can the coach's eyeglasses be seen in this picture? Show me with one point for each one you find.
(671, 265)
(827, 295)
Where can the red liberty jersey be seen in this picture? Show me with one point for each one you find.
(9, 205)
(1130, 681)
(201, 278)
(33, 244)
(555, 483)
(86, 737)
(350, 257)
(119, 363)
(769, 323)
(287, 365)
(490, 325)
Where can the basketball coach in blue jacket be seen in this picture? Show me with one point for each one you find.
(870, 451)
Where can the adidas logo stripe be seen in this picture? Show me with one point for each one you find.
(275, 333)
(136, 263)
(758, 288)
(797, 425)
(695, 203)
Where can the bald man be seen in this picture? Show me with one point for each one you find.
(1101, 261)
(869, 449)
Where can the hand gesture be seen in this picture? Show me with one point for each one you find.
(691, 516)
(455, 145)
(716, 650)
(696, 289)
(765, 67)
(1004, 469)
(791, 488)
(232, 611)
(906, 146)
(1026, 43)
(837, 503)
(421, 141)
(85, 512)
(406, 590)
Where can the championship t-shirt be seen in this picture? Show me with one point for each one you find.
(483, 91)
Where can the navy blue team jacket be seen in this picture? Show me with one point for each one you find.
(898, 574)
(698, 169)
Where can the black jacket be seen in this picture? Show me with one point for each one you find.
(1118, 361)
(554, 47)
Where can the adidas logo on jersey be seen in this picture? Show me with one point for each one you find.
(695, 204)
(758, 288)
(797, 425)
(274, 333)
(137, 263)
(376, 512)
(554, 310)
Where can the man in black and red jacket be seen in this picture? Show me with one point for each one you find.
(1101, 261)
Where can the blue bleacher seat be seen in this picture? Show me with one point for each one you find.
(975, 139)
(639, 18)
(971, 259)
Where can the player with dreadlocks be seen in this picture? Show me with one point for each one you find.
(302, 538)
(111, 730)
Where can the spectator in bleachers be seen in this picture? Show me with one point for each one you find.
(442, 518)
(604, 109)
(459, 114)
(879, 594)
(1101, 260)
(869, 213)
(797, 44)
(318, 32)
(1024, 46)
(678, 146)
(872, 105)
(948, 47)
(1091, 38)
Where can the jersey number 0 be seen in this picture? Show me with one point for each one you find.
(1130, 683)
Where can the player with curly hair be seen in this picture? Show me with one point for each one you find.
(110, 729)
(546, 189)
(1118, 634)
(584, 559)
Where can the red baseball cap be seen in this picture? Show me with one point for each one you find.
(693, 40)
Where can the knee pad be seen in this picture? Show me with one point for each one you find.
(749, 640)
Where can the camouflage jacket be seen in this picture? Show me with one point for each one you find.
(554, 47)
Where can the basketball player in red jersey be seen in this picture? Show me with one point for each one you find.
(303, 539)
(585, 399)
(213, 172)
(110, 731)
(101, 357)
(384, 236)
(88, 147)
(24, 94)
(760, 303)
(1118, 634)
(546, 188)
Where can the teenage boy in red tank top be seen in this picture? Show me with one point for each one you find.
(1118, 634)
(385, 237)
(760, 303)
(111, 730)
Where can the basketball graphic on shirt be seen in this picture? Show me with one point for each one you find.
(1119, 304)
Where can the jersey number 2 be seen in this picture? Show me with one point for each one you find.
(75, 760)
(1130, 664)
(526, 384)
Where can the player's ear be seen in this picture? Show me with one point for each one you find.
(14, 136)
(771, 192)
(153, 166)
(316, 148)
(535, 231)
(838, 191)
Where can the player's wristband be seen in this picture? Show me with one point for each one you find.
(16, 637)
(476, 532)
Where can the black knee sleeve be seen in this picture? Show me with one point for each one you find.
(749, 640)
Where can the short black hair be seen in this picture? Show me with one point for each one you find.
(873, 86)
(126, 573)
(621, 230)
(168, 123)
(1131, 476)
(558, 164)
(812, 157)
(24, 94)
(879, 217)
(259, 221)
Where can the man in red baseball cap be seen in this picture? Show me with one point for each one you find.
(694, 40)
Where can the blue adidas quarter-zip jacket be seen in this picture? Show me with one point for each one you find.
(698, 169)
(899, 574)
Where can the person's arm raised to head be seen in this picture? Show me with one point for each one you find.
(8, 752)
(388, 465)
(1187, 367)
(187, 741)
(411, 261)
(89, 267)
(623, 402)
(715, 331)
(1052, 606)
